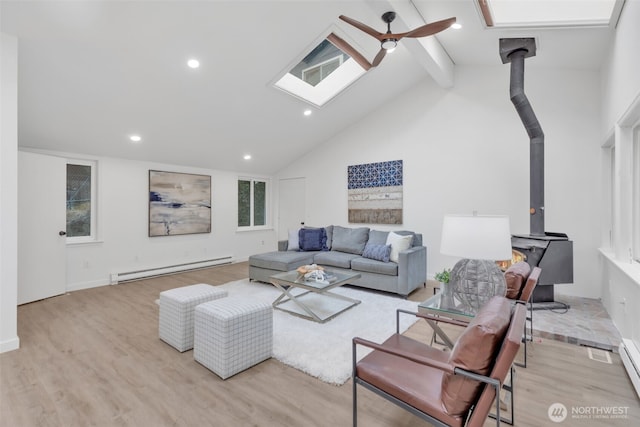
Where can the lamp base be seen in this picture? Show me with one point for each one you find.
(476, 281)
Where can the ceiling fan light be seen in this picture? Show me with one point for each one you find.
(389, 44)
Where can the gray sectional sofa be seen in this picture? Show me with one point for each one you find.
(359, 250)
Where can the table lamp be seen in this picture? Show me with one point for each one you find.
(480, 240)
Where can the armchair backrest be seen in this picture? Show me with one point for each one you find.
(502, 365)
(528, 288)
(516, 277)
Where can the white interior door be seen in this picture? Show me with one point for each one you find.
(41, 217)
(291, 210)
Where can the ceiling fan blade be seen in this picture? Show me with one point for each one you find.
(349, 50)
(362, 27)
(430, 29)
(378, 58)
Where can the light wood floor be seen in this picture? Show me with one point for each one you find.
(93, 357)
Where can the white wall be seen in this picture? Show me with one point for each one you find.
(621, 86)
(124, 244)
(465, 149)
(9, 194)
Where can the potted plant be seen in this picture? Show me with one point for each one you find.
(443, 276)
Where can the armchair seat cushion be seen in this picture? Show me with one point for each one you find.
(406, 380)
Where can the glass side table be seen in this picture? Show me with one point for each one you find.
(446, 304)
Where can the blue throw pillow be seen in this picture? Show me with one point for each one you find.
(377, 252)
(312, 239)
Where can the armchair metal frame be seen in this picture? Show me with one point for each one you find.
(480, 410)
(525, 298)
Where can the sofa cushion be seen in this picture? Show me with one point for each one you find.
(334, 259)
(377, 237)
(372, 266)
(281, 260)
(398, 244)
(475, 351)
(377, 252)
(294, 242)
(329, 230)
(312, 239)
(349, 240)
(515, 277)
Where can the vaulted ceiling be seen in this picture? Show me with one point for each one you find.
(92, 73)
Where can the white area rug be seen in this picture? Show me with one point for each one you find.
(324, 350)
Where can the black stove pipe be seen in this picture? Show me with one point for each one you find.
(515, 51)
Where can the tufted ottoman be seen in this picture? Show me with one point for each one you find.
(232, 334)
(177, 311)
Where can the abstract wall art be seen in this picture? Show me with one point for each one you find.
(179, 203)
(375, 193)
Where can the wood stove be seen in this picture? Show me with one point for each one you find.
(552, 252)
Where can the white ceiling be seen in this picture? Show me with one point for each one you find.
(92, 73)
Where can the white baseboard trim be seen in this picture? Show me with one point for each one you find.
(630, 356)
(86, 285)
(9, 345)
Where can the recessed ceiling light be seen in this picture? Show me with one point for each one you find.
(307, 112)
(247, 157)
(193, 63)
(135, 138)
(456, 26)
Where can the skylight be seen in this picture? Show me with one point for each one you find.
(322, 74)
(550, 13)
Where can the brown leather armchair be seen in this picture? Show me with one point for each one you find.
(446, 388)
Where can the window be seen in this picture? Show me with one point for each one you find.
(315, 74)
(549, 13)
(324, 72)
(252, 203)
(81, 212)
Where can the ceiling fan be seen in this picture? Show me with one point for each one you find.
(390, 40)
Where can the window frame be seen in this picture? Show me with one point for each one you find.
(267, 203)
(93, 235)
(635, 185)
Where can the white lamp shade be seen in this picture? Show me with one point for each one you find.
(485, 237)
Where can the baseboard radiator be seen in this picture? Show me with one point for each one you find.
(170, 269)
(630, 356)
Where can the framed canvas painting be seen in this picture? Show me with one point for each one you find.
(375, 193)
(179, 203)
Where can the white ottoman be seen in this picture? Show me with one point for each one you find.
(232, 334)
(176, 313)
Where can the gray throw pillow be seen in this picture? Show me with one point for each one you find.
(349, 240)
(377, 252)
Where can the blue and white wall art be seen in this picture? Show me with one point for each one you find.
(375, 193)
(179, 203)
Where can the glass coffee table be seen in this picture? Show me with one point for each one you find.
(446, 304)
(310, 299)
